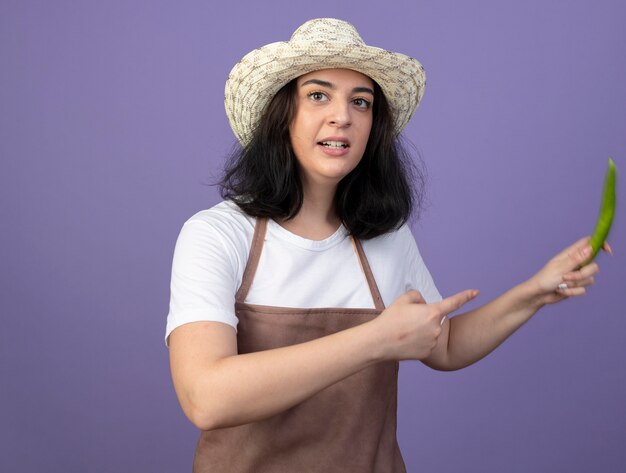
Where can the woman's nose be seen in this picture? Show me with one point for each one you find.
(340, 115)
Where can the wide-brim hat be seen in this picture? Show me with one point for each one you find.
(324, 43)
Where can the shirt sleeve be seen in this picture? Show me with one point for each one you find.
(418, 274)
(204, 278)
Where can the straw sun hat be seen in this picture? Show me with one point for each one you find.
(323, 43)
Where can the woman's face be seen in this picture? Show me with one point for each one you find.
(332, 123)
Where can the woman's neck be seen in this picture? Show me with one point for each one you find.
(317, 218)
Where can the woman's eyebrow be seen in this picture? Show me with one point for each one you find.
(323, 83)
(330, 85)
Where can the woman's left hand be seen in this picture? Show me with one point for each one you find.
(566, 274)
(473, 335)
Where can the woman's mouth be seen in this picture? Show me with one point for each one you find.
(334, 144)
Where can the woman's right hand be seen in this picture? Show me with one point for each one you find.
(218, 387)
(411, 328)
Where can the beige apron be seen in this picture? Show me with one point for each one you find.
(347, 427)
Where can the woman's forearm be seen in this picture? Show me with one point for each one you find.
(475, 334)
(239, 389)
(219, 388)
(472, 336)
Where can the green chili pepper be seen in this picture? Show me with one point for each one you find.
(607, 210)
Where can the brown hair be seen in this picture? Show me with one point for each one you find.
(378, 195)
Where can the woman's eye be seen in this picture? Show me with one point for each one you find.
(362, 103)
(317, 96)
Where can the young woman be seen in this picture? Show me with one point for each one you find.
(294, 299)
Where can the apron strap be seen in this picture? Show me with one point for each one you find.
(258, 238)
(371, 282)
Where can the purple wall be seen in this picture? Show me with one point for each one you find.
(111, 123)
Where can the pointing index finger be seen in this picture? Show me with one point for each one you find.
(456, 301)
